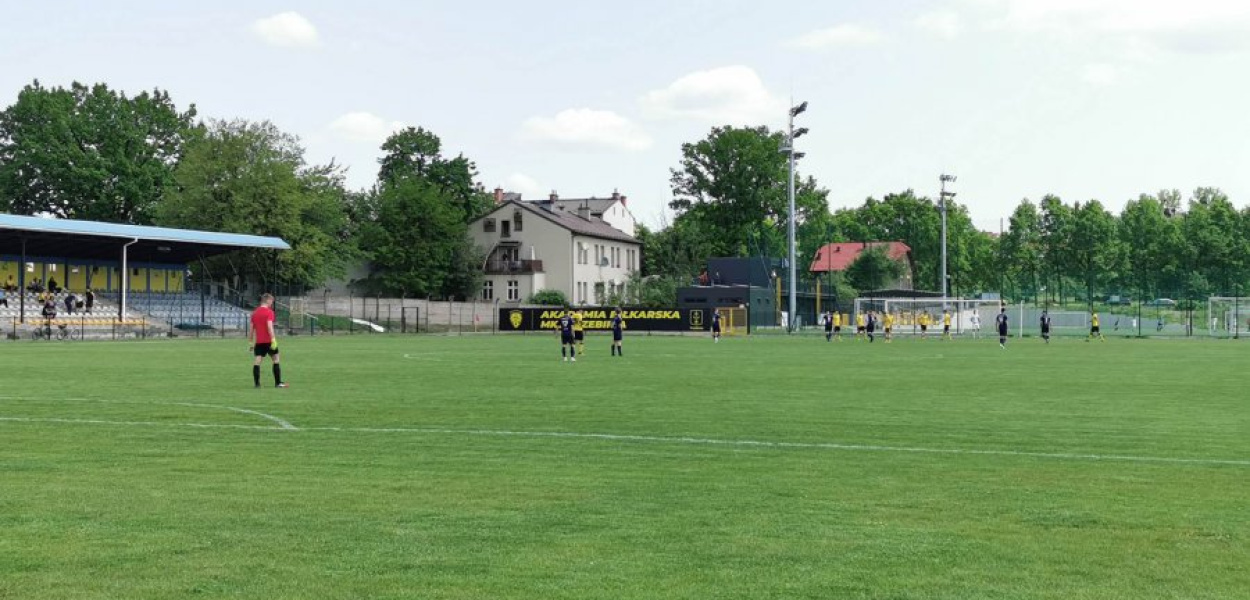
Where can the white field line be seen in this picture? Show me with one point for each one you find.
(1070, 456)
(281, 422)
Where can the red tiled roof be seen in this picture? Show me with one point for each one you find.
(837, 257)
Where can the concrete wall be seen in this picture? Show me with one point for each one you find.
(431, 315)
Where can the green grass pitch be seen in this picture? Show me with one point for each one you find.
(484, 467)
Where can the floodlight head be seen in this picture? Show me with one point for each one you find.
(946, 177)
(800, 132)
(798, 155)
(798, 110)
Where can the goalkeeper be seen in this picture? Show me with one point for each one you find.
(264, 342)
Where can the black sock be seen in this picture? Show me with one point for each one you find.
(256, 374)
(277, 373)
(562, 354)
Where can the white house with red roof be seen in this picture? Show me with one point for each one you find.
(838, 257)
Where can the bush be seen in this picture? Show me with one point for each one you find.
(549, 298)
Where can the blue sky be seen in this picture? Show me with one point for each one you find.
(1088, 99)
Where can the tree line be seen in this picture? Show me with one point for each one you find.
(91, 152)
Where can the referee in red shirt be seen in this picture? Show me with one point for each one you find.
(264, 342)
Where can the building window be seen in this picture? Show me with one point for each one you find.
(488, 225)
(488, 290)
(516, 221)
(505, 229)
(514, 290)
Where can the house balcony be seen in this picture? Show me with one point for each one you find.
(506, 267)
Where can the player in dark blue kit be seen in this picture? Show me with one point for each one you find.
(1001, 321)
(565, 326)
(618, 332)
(716, 326)
(1045, 321)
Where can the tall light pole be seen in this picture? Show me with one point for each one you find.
(791, 135)
(943, 199)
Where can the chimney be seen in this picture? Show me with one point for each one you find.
(583, 211)
(624, 201)
(616, 194)
(498, 195)
(554, 196)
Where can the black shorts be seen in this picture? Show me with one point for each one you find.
(889, 330)
(265, 349)
(946, 329)
(1045, 331)
(617, 335)
(1094, 329)
(579, 335)
(837, 329)
(859, 329)
(924, 328)
(566, 338)
(1002, 332)
(716, 329)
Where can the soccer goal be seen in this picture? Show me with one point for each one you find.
(733, 321)
(967, 316)
(1228, 316)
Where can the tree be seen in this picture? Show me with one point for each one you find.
(1022, 247)
(90, 152)
(1056, 235)
(733, 183)
(1151, 240)
(414, 223)
(417, 152)
(419, 246)
(1094, 250)
(873, 269)
(247, 177)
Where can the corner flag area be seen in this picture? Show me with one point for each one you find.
(484, 467)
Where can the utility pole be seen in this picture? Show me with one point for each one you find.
(788, 148)
(943, 199)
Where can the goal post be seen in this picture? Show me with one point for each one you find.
(1227, 316)
(733, 321)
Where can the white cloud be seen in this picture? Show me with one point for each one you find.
(364, 127)
(286, 30)
(527, 186)
(727, 95)
(587, 128)
(945, 23)
(1100, 74)
(1190, 26)
(848, 34)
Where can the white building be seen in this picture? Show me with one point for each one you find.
(554, 244)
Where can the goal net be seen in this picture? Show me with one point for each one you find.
(1228, 316)
(967, 316)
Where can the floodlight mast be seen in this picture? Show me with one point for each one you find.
(944, 197)
(792, 134)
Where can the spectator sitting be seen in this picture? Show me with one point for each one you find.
(9, 285)
(4, 300)
(70, 299)
(49, 311)
(52, 286)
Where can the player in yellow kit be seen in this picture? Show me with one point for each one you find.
(888, 321)
(837, 325)
(1094, 330)
(579, 332)
(923, 321)
(860, 327)
(946, 324)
